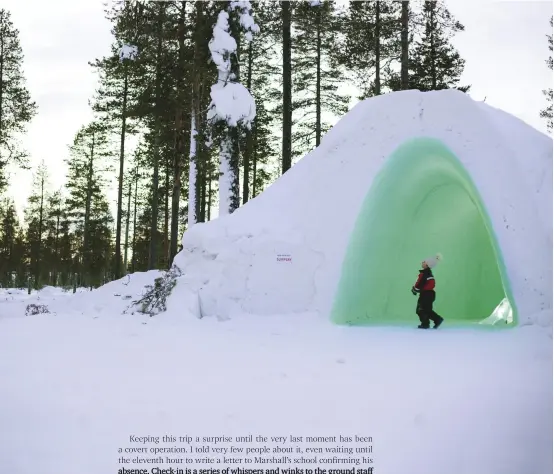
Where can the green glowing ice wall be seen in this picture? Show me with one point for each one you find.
(423, 202)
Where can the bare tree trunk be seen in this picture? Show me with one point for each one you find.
(287, 88)
(166, 213)
(377, 90)
(56, 248)
(206, 163)
(152, 257)
(404, 78)
(248, 153)
(88, 204)
(198, 96)
(176, 194)
(192, 210)
(134, 248)
(433, 49)
(179, 140)
(40, 224)
(117, 268)
(127, 219)
(255, 170)
(318, 80)
(1, 88)
(229, 150)
(209, 195)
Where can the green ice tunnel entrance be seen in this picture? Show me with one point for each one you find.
(422, 202)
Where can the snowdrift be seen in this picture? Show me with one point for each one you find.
(333, 234)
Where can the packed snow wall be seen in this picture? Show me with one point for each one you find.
(423, 202)
(285, 250)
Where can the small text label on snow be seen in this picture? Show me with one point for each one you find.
(284, 257)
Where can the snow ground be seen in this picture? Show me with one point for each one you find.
(75, 386)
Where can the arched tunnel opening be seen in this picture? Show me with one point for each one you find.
(422, 202)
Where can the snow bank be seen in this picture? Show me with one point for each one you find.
(112, 298)
(308, 213)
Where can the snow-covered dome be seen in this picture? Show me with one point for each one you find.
(288, 249)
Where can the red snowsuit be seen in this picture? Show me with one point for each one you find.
(425, 286)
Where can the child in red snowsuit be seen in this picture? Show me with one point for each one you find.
(425, 286)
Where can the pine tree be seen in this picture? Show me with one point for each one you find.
(143, 237)
(232, 109)
(141, 214)
(35, 217)
(266, 67)
(87, 206)
(316, 75)
(67, 249)
(16, 107)
(181, 117)
(147, 27)
(127, 196)
(162, 33)
(155, 135)
(139, 178)
(286, 22)
(193, 198)
(262, 70)
(98, 260)
(12, 255)
(116, 96)
(201, 155)
(264, 150)
(170, 59)
(370, 44)
(51, 255)
(404, 80)
(21, 259)
(547, 112)
(434, 62)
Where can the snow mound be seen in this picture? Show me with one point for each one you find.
(282, 251)
(111, 298)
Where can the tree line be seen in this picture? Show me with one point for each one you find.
(167, 149)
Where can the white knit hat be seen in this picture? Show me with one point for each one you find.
(432, 261)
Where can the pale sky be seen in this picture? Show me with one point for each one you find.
(504, 46)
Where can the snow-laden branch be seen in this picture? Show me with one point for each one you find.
(128, 51)
(231, 101)
(222, 45)
(246, 18)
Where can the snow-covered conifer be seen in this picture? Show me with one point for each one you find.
(232, 107)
